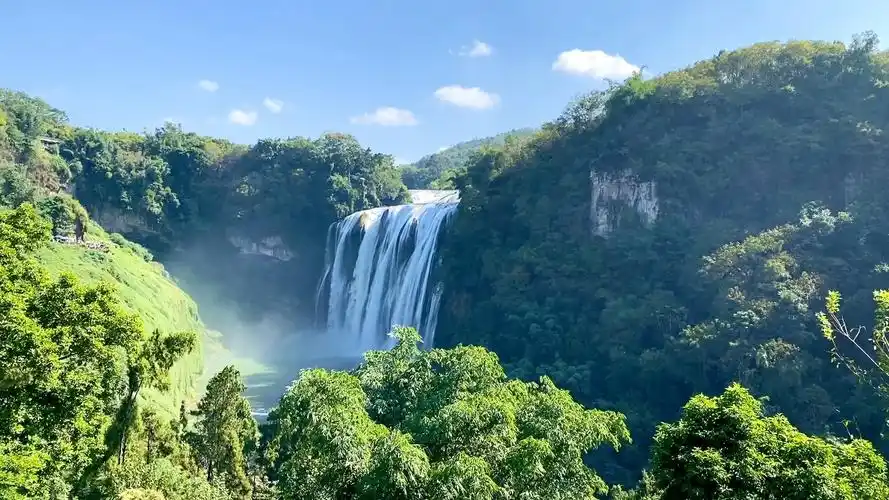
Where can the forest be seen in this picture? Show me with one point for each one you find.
(720, 333)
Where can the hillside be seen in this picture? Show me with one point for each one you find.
(670, 235)
(260, 212)
(427, 172)
(145, 288)
(32, 170)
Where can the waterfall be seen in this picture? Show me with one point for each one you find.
(378, 271)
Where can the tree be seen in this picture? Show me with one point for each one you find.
(225, 431)
(62, 353)
(867, 361)
(726, 448)
(73, 360)
(148, 365)
(411, 424)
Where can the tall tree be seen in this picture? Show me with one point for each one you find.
(225, 431)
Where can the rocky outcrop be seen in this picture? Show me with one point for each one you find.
(114, 220)
(272, 246)
(614, 193)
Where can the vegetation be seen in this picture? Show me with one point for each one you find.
(179, 193)
(725, 447)
(767, 167)
(760, 174)
(437, 171)
(435, 424)
(73, 363)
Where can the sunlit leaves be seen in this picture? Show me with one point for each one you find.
(455, 427)
(726, 448)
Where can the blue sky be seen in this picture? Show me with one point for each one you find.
(332, 65)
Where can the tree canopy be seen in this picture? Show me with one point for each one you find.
(411, 423)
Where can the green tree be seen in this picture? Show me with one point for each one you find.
(150, 367)
(62, 353)
(225, 431)
(410, 424)
(726, 448)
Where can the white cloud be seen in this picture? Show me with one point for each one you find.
(594, 63)
(273, 105)
(241, 117)
(386, 116)
(477, 49)
(467, 97)
(442, 148)
(208, 85)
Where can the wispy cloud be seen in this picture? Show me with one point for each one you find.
(242, 117)
(273, 105)
(594, 63)
(477, 49)
(386, 116)
(208, 85)
(467, 97)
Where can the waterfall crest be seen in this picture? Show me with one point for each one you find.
(378, 271)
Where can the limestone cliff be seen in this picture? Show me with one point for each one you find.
(614, 193)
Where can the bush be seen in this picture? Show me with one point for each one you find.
(140, 494)
(15, 188)
(164, 480)
(119, 240)
(62, 210)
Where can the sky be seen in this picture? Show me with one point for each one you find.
(406, 77)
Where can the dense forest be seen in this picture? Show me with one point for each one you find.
(768, 165)
(642, 300)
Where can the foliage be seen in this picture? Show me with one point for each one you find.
(225, 431)
(62, 210)
(870, 363)
(435, 424)
(73, 361)
(638, 316)
(162, 477)
(725, 448)
(62, 353)
(24, 120)
(436, 171)
(15, 188)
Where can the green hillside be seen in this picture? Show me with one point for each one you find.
(145, 287)
(435, 170)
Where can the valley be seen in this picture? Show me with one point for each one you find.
(652, 296)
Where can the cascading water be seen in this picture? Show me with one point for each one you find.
(378, 271)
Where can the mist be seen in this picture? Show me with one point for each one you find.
(270, 347)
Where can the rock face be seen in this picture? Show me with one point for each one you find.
(612, 194)
(114, 220)
(272, 246)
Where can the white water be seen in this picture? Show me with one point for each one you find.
(377, 275)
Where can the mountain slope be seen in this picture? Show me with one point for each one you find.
(426, 170)
(669, 235)
(147, 289)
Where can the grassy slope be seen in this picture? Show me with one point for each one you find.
(147, 289)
